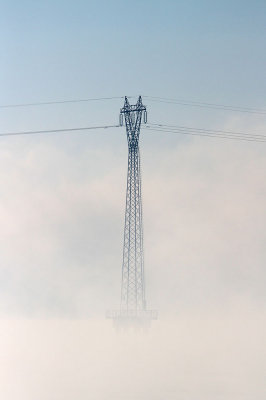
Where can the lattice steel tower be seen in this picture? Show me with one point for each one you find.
(133, 302)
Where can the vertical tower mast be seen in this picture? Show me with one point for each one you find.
(133, 302)
(133, 285)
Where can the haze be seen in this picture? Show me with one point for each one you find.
(63, 197)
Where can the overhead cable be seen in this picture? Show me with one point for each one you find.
(58, 130)
(44, 103)
(215, 106)
(258, 135)
(195, 132)
(183, 102)
(163, 128)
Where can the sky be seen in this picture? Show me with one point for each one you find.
(62, 199)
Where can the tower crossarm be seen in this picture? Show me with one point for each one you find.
(133, 117)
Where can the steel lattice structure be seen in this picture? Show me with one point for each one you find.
(133, 302)
(133, 284)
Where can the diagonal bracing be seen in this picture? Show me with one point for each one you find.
(133, 302)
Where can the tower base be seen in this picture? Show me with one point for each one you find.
(124, 319)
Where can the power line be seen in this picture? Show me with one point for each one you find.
(183, 102)
(58, 130)
(59, 102)
(195, 132)
(181, 127)
(204, 134)
(175, 129)
(215, 106)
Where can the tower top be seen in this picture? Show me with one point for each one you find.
(133, 115)
(134, 107)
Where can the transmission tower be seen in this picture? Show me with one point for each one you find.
(133, 302)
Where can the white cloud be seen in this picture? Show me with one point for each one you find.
(62, 212)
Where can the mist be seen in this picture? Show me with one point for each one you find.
(61, 247)
(199, 356)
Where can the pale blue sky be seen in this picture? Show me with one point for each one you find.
(202, 50)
